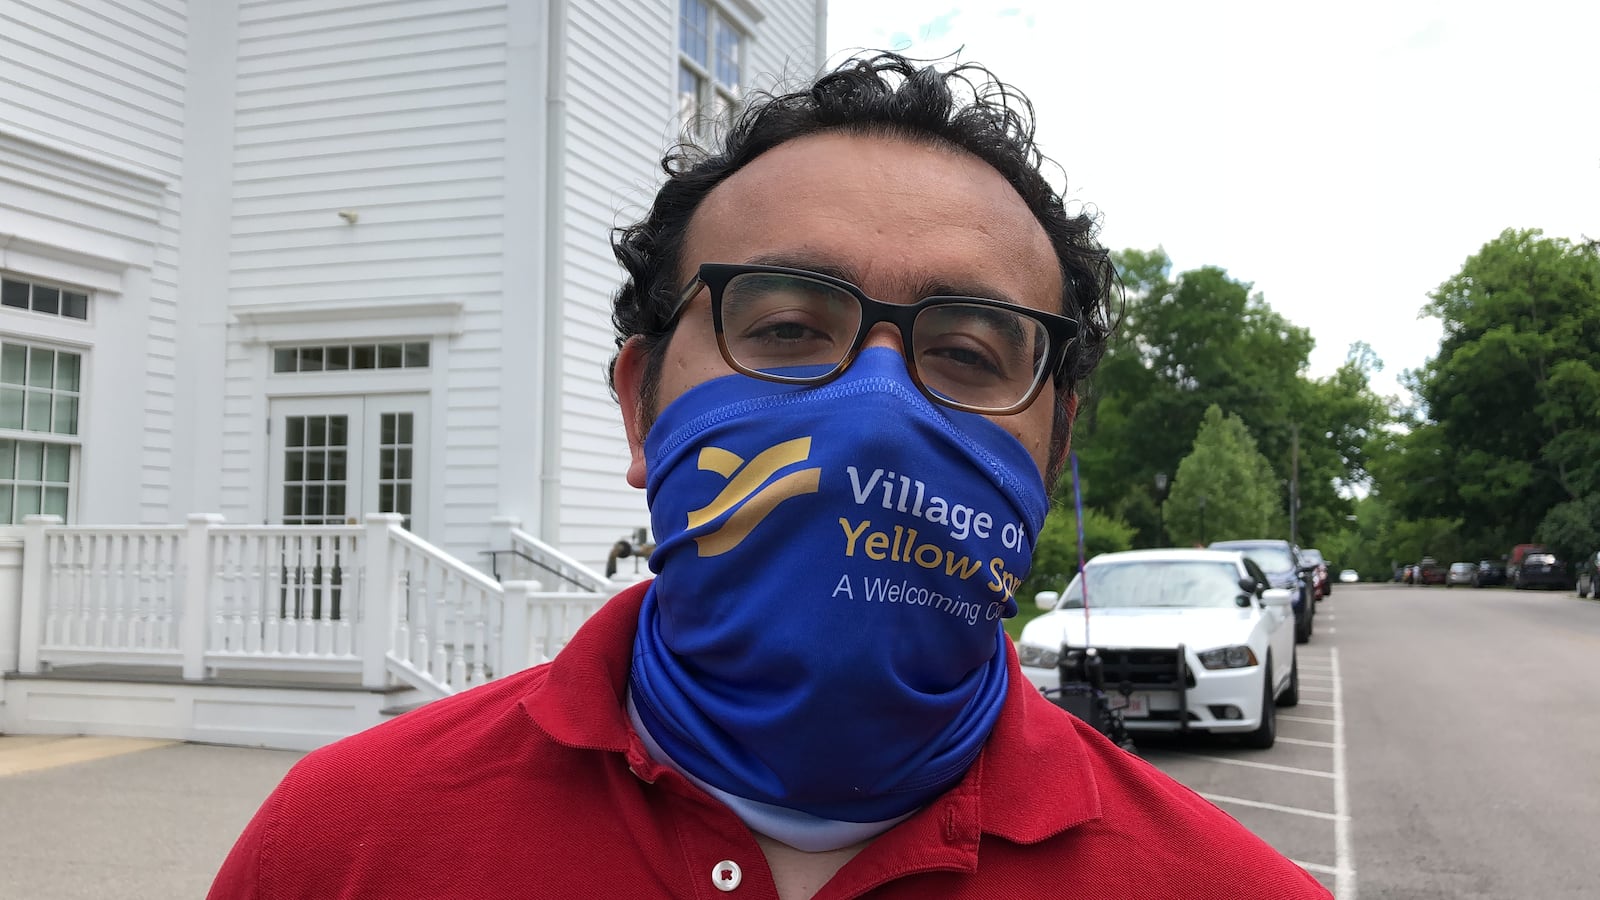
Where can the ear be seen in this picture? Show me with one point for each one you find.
(629, 379)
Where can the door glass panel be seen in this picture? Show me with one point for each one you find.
(394, 464)
(314, 487)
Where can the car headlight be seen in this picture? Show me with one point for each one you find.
(1038, 657)
(1240, 657)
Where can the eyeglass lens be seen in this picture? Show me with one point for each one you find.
(975, 355)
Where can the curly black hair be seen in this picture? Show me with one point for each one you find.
(882, 94)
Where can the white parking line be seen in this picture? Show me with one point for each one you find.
(1275, 807)
(1283, 718)
(1327, 703)
(1344, 874)
(1252, 764)
(1327, 745)
(1318, 867)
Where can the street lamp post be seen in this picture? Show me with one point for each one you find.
(1161, 516)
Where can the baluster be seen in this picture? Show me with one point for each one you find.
(254, 548)
(458, 649)
(344, 596)
(167, 578)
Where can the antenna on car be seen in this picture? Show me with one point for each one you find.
(1083, 577)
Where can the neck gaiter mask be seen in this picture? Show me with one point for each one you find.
(833, 564)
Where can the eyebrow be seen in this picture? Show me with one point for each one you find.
(933, 286)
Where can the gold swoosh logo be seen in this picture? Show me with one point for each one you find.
(745, 486)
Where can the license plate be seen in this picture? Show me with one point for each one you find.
(1137, 705)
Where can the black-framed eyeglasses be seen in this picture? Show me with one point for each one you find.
(799, 327)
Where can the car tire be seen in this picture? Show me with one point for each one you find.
(1302, 635)
(1583, 588)
(1266, 734)
(1291, 694)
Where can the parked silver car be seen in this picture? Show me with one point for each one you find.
(1461, 573)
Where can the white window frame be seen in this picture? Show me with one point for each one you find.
(723, 99)
(73, 442)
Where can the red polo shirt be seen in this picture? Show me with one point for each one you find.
(536, 785)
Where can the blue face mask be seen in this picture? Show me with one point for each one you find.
(833, 564)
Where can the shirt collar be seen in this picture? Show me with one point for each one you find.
(1033, 779)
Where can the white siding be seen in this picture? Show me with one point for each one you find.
(106, 80)
(622, 70)
(394, 110)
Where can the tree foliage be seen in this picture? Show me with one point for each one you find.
(1198, 339)
(1508, 441)
(1225, 488)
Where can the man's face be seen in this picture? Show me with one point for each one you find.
(901, 220)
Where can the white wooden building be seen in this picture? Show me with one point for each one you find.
(292, 262)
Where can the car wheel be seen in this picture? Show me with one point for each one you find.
(1291, 694)
(1302, 630)
(1266, 734)
(1583, 588)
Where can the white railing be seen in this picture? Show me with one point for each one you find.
(281, 593)
(112, 594)
(371, 600)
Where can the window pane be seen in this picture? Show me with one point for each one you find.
(316, 431)
(389, 356)
(311, 359)
(364, 356)
(386, 498)
(336, 431)
(416, 356)
(727, 70)
(30, 500)
(338, 359)
(14, 293)
(6, 517)
(38, 411)
(386, 463)
(66, 420)
(336, 465)
(335, 499)
(11, 400)
(316, 465)
(404, 436)
(30, 461)
(283, 359)
(8, 459)
(294, 431)
(74, 305)
(688, 92)
(46, 299)
(313, 495)
(386, 428)
(402, 466)
(55, 501)
(402, 498)
(292, 501)
(67, 370)
(57, 463)
(294, 465)
(692, 28)
(14, 364)
(41, 367)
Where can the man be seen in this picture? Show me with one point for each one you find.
(849, 344)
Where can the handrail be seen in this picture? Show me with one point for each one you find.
(445, 560)
(596, 581)
(494, 566)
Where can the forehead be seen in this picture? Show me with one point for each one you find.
(893, 215)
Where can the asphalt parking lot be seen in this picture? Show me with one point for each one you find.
(1295, 795)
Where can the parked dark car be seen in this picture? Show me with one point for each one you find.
(1541, 570)
(1429, 571)
(1284, 569)
(1490, 572)
(1516, 556)
(1322, 580)
(1588, 575)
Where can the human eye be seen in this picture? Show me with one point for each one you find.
(976, 344)
(773, 320)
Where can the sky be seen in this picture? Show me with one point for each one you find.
(1345, 159)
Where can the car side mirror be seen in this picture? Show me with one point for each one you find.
(1046, 600)
(1248, 585)
(1277, 597)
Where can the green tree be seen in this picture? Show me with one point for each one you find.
(1508, 437)
(1225, 488)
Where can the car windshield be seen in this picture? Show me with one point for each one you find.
(1173, 583)
(1461, 567)
(1270, 557)
(1314, 557)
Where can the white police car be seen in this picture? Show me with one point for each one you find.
(1188, 639)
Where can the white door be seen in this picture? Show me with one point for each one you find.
(335, 458)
